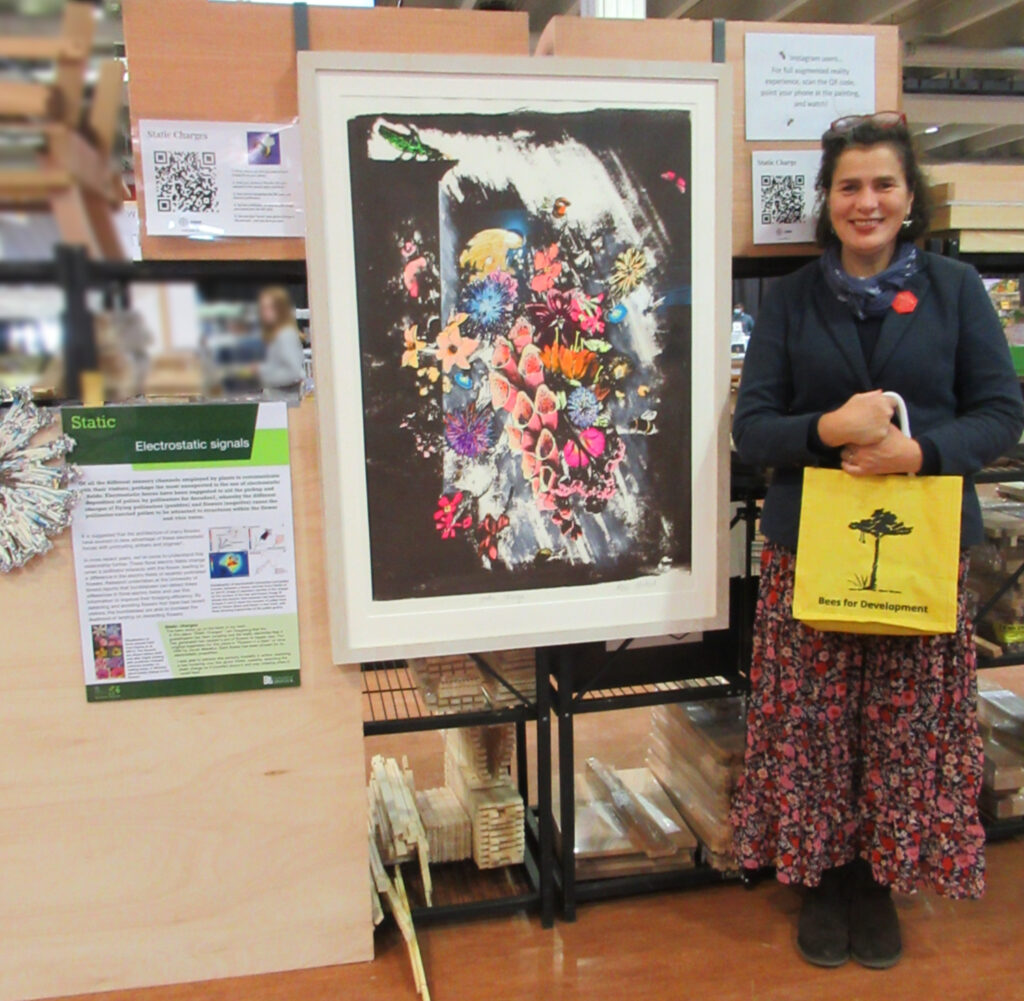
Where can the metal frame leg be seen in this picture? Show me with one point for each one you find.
(522, 766)
(545, 818)
(567, 783)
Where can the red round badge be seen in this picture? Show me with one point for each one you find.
(905, 302)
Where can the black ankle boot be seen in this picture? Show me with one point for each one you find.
(823, 932)
(875, 939)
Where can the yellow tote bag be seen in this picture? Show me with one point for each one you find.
(878, 554)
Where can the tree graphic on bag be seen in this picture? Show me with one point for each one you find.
(881, 523)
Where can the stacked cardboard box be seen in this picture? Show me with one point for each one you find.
(696, 753)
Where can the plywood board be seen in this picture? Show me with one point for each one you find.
(986, 241)
(156, 841)
(679, 40)
(193, 59)
(888, 96)
(685, 39)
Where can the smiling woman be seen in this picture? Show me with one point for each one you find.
(862, 764)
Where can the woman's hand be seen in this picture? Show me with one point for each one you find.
(895, 453)
(864, 419)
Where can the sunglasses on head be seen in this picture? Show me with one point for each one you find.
(883, 119)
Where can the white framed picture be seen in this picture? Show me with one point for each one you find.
(519, 277)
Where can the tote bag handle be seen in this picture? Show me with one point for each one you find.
(901, 410)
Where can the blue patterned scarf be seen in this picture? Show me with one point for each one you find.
(870, 296)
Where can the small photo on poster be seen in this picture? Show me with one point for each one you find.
(108, 650)
(264, 148)
(229, 565)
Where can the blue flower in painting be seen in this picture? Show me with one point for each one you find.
(467, 432)
(583, 407)
(490, 300)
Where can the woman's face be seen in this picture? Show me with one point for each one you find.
(268, 314)
(869, 199)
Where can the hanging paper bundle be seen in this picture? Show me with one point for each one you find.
(36, 497)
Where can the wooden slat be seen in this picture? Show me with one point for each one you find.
(979, 216)
(19, 99)
(977, 190)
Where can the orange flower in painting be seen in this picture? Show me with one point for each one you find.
(452, 347)
(546, 269)
(413, 347)
(572, 364)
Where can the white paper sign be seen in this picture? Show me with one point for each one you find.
(205, 180)
(797, 85)
(784, 195)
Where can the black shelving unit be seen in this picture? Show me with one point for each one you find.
(394, 704)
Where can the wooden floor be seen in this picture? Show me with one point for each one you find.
(716, 944)
(720, 944)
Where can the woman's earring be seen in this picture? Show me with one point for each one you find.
(907, 222)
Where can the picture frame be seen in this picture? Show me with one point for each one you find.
(568, 512)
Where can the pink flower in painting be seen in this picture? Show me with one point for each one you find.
(592, 443)
(502, 358)
(503, 397)
(446, 519)
(546, 407)
(546, 269)
(410, 276)
(531, 368)
(586, 312)
(521, 333)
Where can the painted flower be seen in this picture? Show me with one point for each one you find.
(574, 365)
(468, 432)
(410, 275)
(617, 313)
(446, 519)
(583, 407)
(452, 347)
(586, 312)
(592, 443)
(503, 395)
(487, 533)
(521, 333)
(627, 273)
(546, 269)
(545, 405)
(531, 366)
(552, 317)
(413, 347)
(489, 301)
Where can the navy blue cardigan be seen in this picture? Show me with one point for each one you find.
(948, 359)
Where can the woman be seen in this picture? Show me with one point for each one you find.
(863, 760)
(282, 370)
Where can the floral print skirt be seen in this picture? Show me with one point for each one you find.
(860, 745)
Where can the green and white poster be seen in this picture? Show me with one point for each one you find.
(184, 550)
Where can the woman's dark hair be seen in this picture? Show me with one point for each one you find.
(867, 133)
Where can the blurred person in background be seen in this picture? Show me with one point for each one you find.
(281, 372)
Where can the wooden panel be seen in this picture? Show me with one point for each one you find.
(198, 60)
(979, 216)
(691, 40)
(680, 40)
(978, 175)
(986, 241)
(888, 95)
(169, 840)
(952, 192)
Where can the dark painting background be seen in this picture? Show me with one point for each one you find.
(390, 198)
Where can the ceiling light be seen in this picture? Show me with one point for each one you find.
(931, 130)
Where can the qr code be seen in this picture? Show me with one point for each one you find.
(782, 199)
(185, 181)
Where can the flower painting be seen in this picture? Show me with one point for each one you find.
(524, 287)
